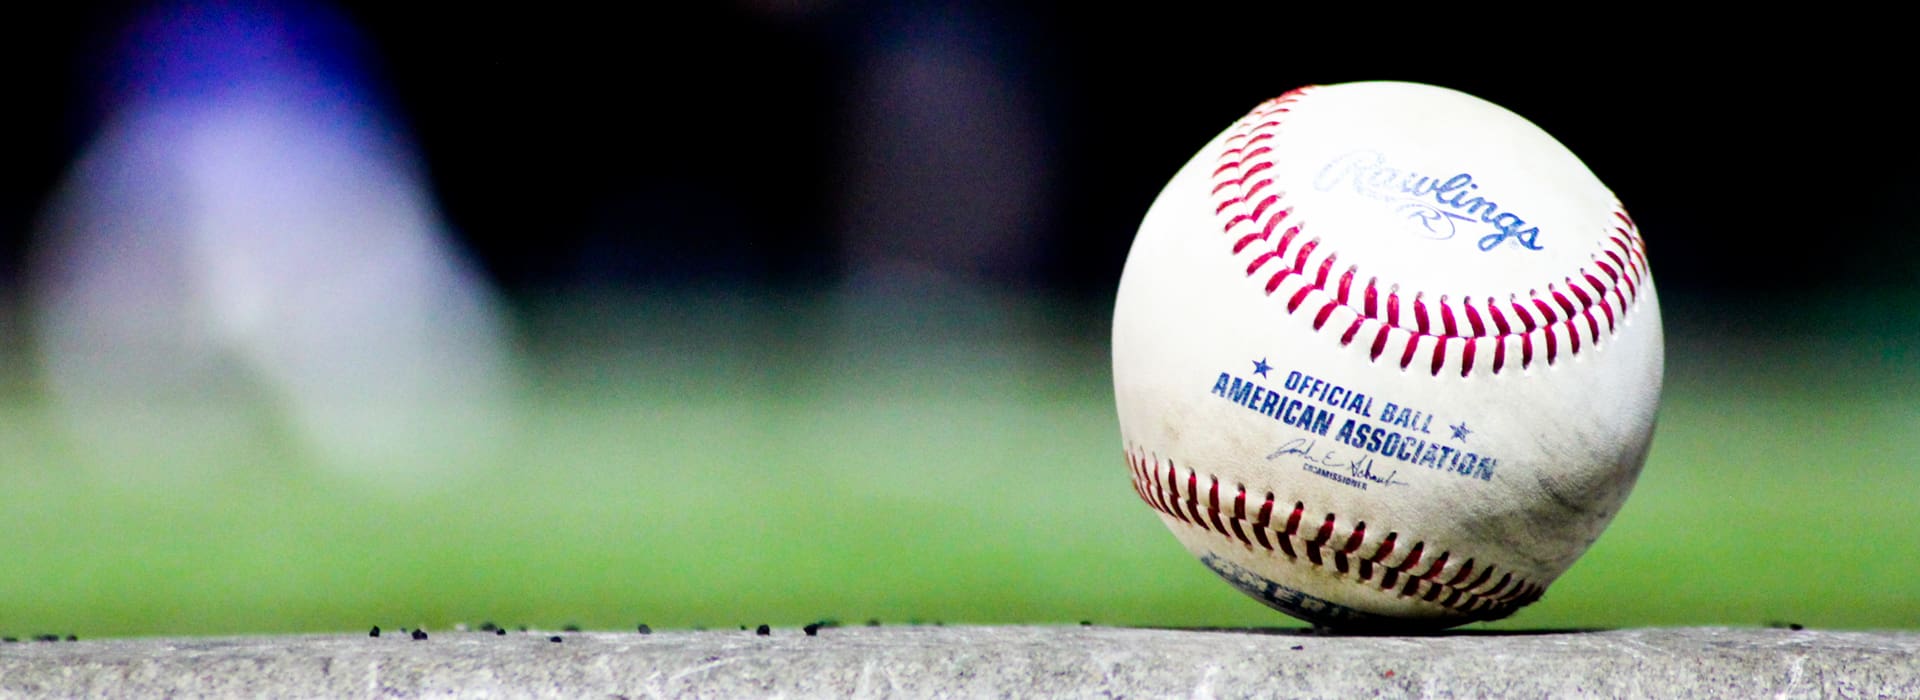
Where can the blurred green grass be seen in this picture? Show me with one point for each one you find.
(724, 460)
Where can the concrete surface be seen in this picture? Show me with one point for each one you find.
(980, 661)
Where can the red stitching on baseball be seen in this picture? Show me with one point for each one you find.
(1240, 514)
(1173, 494)
(1193, 501)
(1320, 319)
(1465, 569)
(1565, 305)
(1213, 507)
(1547, 312)
(1354, 540)
(1473, 319)
(1260, 525)
(1499, 319)
(1501, 586)
(1298, 296)
(1326, 547)
(1285, 538)
(1347, 337)
(1526, 317)
(1385, 549)
(1413, 558)
(1300, 259)
(1621, 258)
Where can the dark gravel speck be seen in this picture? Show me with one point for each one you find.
(644, 629)
(500, 631)
(375, 632)
(419, 634)
(555, 639)
(812, 630)
(763, 630)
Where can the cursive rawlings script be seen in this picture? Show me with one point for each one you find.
(1435, 204)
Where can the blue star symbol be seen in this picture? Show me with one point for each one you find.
(1460, 431)
(1260, 366)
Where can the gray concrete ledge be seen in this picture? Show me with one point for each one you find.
(980, 661)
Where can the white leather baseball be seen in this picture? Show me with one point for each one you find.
(1386, 355)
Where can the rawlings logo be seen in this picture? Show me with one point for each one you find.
(1433, 204)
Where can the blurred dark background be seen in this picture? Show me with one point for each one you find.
(734, 143)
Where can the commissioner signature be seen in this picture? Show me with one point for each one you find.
(1360, 468)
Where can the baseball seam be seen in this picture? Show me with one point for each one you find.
(1382, 315)
(1472, 589)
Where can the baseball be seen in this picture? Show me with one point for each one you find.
(1386, 355)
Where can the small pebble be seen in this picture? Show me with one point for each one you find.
(419, 634)
(644, 629)
(375, 632)
(763, 630)
(499, 632)
(1298, 647)
(812, 629)
(555, 639)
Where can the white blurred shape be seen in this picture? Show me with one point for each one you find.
(237, 258)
